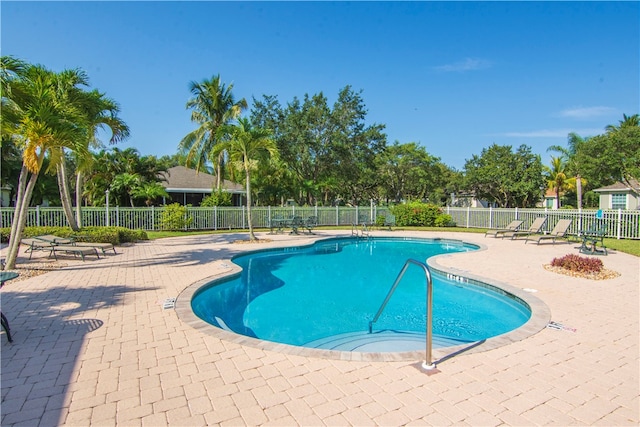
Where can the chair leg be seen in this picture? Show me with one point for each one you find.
(5, 326)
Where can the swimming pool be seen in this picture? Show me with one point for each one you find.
(324, 295)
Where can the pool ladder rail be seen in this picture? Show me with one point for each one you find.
(360, 231)
(428, 363)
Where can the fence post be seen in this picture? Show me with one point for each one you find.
(117, 216)
(38, 215)
(153, 217)
(490, 216)
(215, 217)
(337, 216)
(468, 215)
(580, 227)
(619, 223)
(106, 207)
(517, 213)
(371, 217)
(244, 220)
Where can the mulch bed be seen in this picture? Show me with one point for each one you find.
(602, 275)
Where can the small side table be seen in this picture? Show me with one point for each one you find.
(5, 276)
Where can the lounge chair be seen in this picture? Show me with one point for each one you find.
(512, 226)
(534, 228)
(558, 232)
(75, 250)
(36, 244)
(104, 247)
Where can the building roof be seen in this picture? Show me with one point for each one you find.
(182, 179)
(620, 186)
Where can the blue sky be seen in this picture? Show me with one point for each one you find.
(455, 77)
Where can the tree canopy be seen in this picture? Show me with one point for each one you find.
(505, 177)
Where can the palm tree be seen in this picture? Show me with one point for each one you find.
(627, 121)
(149, 191)
(246, 147)
(42, 125)
(69, 92)
(101, 114)
(212, 107)
(124, 184)
(557, 179)
(569, 156)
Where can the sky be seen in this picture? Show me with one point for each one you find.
(455, 77)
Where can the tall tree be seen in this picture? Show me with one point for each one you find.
(40, 125)
(70, 91)
(101, 115)
(572, 161)
(615, 155)
(329, 152)
(408, 172)
(246, 147)
(212, 106)
(556, 177)
(506, 178)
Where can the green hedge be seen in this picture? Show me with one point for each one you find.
(114, 235)
(416, 214)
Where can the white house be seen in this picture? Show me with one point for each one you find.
(620, 196)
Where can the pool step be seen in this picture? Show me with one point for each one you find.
(380, 341)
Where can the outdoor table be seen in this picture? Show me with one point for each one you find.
(5, 276)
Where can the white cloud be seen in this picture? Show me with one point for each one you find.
(587, 112)
(557, 133)
(468, 64)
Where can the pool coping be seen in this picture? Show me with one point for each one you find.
(540, 317)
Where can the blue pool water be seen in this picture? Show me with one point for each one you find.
(304, 295)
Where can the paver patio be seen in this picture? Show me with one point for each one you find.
(93, 345)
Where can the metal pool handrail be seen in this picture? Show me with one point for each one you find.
(428, 363)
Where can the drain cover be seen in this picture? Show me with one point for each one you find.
(169, 303)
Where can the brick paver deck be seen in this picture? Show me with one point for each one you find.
(94, 346)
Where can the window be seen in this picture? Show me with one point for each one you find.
(549, 202)
(618, 201)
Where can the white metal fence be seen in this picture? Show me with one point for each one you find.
(621, 224)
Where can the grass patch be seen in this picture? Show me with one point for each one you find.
(627, 246)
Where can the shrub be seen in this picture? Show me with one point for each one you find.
(579, 264)
(175, 217)
(416, 214)
(421, 214)
(113, 235)
(444, 220)
(380, 220)
(217, 198)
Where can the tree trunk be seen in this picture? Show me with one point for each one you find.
(219, 173)
(23, 200)
(579, 190)
(252, 236)
(79, 181)
(65, 196)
